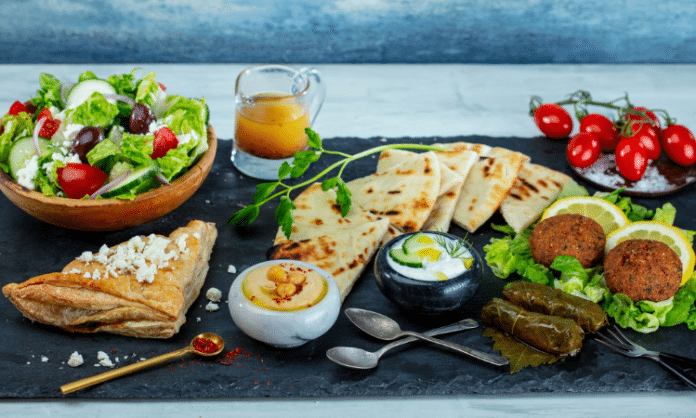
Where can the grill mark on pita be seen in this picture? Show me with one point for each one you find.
(409, 226)
(318, 222)
(542, 183)
(531, 186)
(394, 192)
(451, 194)
(336, 207)
(515, 196)
(392, 213)
(488, 168)
(421, 203)
(559, 185)
(370, 190)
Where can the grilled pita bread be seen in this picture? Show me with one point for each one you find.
(487, 185)
(92, 294)
(451, 182)
(535, 189)
(317, 213)
(405, 193)
(343, 254)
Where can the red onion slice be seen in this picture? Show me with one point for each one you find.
(163, 180)
(120, 98)
(35, 135)
(110, 185)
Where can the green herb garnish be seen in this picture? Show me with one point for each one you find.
(455, 249)
(266, 192)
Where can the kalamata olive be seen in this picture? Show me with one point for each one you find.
(86, 139)
(140, 119)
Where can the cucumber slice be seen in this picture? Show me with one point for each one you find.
(408, 260)
(135, 179)
(84, 89)
(418, 241)
(22, 150)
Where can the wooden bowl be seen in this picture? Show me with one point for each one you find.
(111, 214)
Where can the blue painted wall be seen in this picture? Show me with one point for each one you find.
(347, 31)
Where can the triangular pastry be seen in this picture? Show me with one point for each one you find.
(141, 288)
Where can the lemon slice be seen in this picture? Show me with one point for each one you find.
(607, 214)
(659, 231)
(429, 254)
(440, 276)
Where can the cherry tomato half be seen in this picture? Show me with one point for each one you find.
(165, 139)
(553, 121)
(603, 128)
(679, 144)
(17, 107)
(79, 180)
(631, 159)
(651, 115)
(647, 136)
(583, 150)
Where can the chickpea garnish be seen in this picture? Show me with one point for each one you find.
(277, 274)
(286, 289)
(297, 278)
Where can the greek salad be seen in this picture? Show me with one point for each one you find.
(102, 138)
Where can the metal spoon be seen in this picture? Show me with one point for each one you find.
(121, 371)
(385, 328)
(357, 358)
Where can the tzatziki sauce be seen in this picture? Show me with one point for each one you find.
(448, 266)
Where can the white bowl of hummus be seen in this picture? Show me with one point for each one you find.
(284, 303)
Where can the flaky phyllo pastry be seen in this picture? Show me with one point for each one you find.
(141, 288)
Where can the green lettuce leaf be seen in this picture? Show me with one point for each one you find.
(49, 93)
(174, 163)
(150, 93)
(87, 75)
(15, 126)
(187, 119)
(104, 155)
(137, 148)
(95, 111)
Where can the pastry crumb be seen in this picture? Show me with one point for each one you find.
(213, 294)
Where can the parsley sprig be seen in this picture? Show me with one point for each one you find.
(265, 192)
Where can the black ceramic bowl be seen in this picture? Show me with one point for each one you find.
(427, 297)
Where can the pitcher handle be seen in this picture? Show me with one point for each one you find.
(317, 89)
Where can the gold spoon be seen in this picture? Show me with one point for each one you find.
(121, 371)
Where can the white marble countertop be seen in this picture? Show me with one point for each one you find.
(394, 101)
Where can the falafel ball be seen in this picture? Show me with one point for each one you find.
(568, 234)
(643, 269)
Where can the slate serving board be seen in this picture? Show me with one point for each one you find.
(29, 247)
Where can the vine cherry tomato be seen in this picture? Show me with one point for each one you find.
(165, 139)
(679, 144)
(79, 180)
(603, 128)
(647, 136)
(553, 121)
(629, 117)
(631, 159)
(583, 150)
